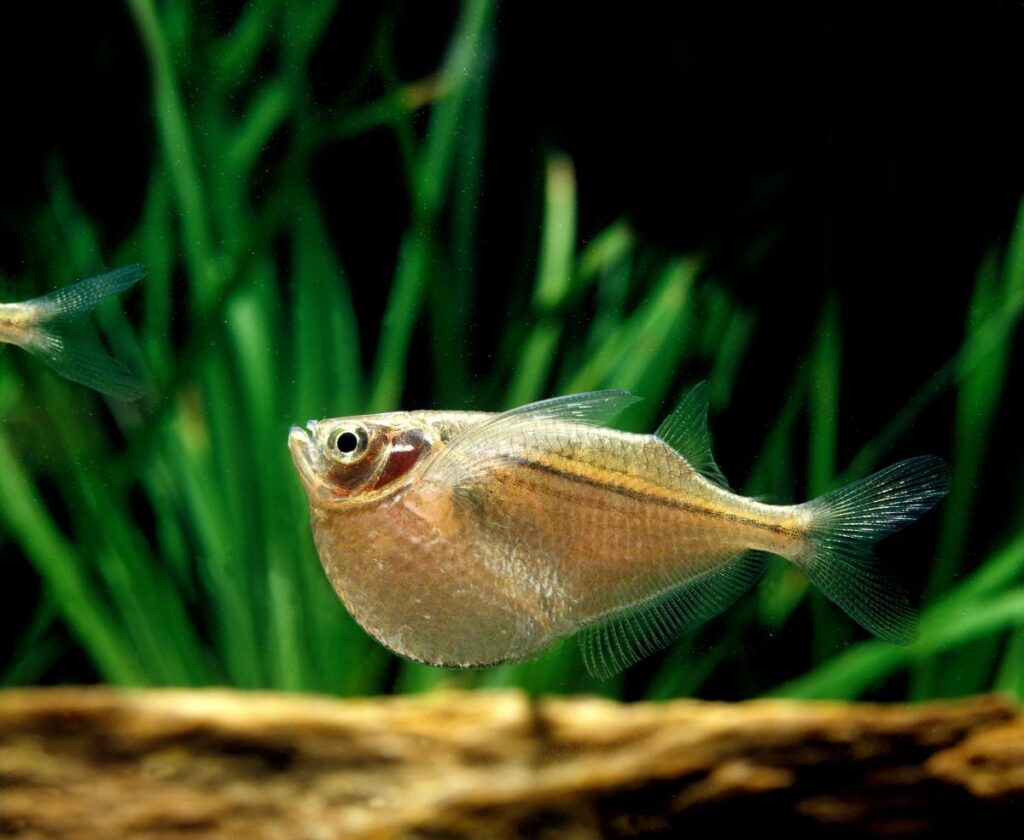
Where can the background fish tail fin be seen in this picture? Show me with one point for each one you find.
(849, 521)
(70, 347)
(79, 299)
(76, 354)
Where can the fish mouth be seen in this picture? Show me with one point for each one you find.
(297, 434)
(304, 452)
(312, 466)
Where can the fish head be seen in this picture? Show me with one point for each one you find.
(406, 555)
(353, 460)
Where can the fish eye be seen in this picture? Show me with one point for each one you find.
(349, 444)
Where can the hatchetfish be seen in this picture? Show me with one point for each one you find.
(53, 328)
(466, 539)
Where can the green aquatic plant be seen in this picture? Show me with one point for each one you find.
(170, 536)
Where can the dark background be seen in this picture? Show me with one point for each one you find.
(871, 156)
(877, 156)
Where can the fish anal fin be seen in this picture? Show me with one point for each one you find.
(686, 431)
(627, 637)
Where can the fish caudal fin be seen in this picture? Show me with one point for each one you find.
(60, 338)
(79, 299)
(844, 525)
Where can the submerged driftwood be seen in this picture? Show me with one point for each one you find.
(168, 764)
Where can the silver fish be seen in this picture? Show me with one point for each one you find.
(465, 539)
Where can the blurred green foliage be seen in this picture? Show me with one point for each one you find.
(171, 536)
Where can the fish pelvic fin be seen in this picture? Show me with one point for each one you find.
(60, 337)
(686, 431)
(846, 523)
(617, 641)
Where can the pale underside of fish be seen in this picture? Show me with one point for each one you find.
(466, 539)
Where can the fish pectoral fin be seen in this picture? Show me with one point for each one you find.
(627, 637)
(686, 431)
(471, 453)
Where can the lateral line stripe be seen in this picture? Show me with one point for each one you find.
(640, 495)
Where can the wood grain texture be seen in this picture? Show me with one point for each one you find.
(83, 763)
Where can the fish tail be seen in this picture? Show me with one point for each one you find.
(843, 526)
(57, 335)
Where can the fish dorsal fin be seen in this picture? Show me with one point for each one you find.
(627, 637)
(686, 431)
(521, 429)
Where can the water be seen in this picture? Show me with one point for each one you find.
(479, 225)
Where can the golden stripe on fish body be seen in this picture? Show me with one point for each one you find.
(469, 539)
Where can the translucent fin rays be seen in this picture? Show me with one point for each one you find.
(62, 339)
(616, 643)
(848, 521)
(472, 452)
(686, 431)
